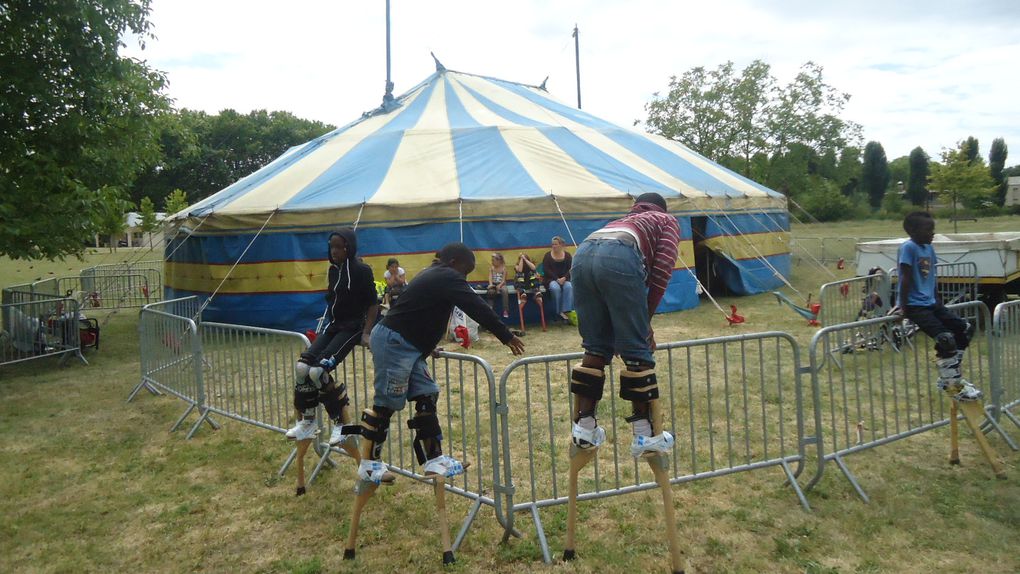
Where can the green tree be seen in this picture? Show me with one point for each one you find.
(175, 202)
(737, 120)
(848, 170)
(147, 211)
(899, 172)
(965, 182)
(874, 173)
(917, 184)
(971, 149)
(996, 163)
(205, 153)
(110, 220)
(75, 116)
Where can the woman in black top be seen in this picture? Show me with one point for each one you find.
(556, 276)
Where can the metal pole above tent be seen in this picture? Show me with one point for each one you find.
(577, 63)
(388, 96)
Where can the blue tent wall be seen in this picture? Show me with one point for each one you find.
(251, 299)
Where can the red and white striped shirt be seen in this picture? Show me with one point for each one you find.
(658, 236)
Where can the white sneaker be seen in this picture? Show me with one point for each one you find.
(585, 439)
(303, 430)
(371, 470)
(443, 465)
(642, 445)
(962, 390)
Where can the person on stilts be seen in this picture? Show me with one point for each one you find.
(620, 274)
(401, 344)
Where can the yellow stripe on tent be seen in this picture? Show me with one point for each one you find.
(310, 276)
(751, 246)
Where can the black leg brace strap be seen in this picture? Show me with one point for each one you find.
(373, 427)
(427, 435)
(587, 382)
(639, 385)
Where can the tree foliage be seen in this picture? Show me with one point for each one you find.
(874, 173)
(964, 181)
(996, 163)
(970, 148)
(751, 123)
(204, 153)
(75, 118)
(110, 220)
(917, 184)
(175, 202)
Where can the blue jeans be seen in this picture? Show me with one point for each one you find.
(400, 370)
(563, 296)
(612, 300)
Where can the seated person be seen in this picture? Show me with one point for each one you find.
(556, 277)
(526, 280)
(396, 280)
(497, 282)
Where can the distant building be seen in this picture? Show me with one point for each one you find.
(133, 235)
(1012, 192)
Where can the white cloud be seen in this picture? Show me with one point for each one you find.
(920, 73)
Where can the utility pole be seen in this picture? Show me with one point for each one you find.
(388, 96)
(577, 64)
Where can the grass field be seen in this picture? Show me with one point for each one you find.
(93, 484)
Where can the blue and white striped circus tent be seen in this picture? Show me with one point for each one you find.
(500, 165)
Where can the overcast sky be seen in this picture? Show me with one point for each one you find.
(926, 73)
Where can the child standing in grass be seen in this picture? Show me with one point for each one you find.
(917, 301)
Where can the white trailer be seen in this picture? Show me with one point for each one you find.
(996, 255)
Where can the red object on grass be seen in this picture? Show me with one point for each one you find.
(841, 264)
(844, 289)
(464, 338)
(733, 317)
(815, 309)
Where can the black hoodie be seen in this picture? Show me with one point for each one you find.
(351, 288)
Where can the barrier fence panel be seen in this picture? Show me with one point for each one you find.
(118, 291)
(870, 392)
(467, 399)
(734, 403)
(853, 299)
(170, 353)
(955, 282)
(33, 326)
(1006, 338)
(248, 374)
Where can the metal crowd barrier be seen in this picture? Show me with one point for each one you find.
(121, 268)
(828, 249)
(955, 282)
(853, 299)
(248, 374)
(734, 403)
(871, 392)
(33, 327)
(1006, 341)
(170, 354)
(113, 291)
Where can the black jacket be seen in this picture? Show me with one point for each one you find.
(422, 312)
(351, 287)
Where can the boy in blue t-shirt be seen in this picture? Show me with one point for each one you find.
(952, 334)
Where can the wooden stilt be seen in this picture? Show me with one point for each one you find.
(660, 465)
(974, 414)
(439, 484)
(302, 448)
(579, 458)
(954, 434)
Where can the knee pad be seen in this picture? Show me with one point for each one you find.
(375, 427)
(639, 385)
(587, 382)
(428, 433)
(334, 398)
(945, 345)
(306, 398)
(301, 372)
